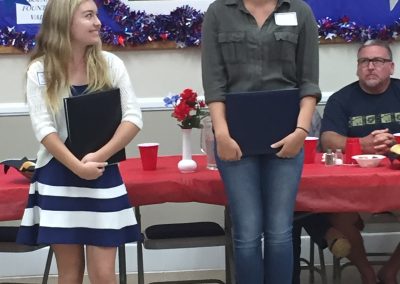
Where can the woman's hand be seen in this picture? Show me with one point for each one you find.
(92, 157)
(228, 149)
(91, 170)
(291, 144)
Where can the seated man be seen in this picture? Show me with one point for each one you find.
(368, 109)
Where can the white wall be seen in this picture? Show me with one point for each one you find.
(156, 72)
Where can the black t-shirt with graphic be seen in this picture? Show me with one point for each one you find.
(352, 112)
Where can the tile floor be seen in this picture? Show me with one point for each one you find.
(350, 276)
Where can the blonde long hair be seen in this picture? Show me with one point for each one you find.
(53, 46)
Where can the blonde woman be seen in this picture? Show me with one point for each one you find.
(76, 203)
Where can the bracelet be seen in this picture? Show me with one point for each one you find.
(302, 128)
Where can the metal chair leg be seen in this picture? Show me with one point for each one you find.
(312, 261)
(122, 264)
(140, 263)
(48, 265)
(323, 267)
(139, 246)
(336, 270)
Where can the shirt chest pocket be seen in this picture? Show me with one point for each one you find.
(285, 45)
(233, 47)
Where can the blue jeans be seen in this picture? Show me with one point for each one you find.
(261, 193)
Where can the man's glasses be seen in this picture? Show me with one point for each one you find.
(376, 61)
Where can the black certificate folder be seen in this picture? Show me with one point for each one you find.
(92, 120)
(260, 118)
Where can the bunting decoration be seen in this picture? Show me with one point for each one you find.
(350, 21)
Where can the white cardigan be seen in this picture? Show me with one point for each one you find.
(44, 121)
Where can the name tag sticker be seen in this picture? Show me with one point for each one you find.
(286, 19)
(41, 78)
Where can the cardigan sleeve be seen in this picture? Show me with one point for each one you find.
(42, 118)
(130, 107)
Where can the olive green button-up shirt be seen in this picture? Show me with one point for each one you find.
(238, 56)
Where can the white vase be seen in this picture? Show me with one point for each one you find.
(187, 165)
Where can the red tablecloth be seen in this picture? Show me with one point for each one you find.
(350, 188)
(14, 190)
(322, 189)
(167, 184)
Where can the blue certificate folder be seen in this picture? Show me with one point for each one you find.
(260, 118)
(92, 120)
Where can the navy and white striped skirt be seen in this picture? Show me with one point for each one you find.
(65, 209)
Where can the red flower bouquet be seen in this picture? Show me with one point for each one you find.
(188, 110)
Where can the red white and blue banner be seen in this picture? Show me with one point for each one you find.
(350, 20)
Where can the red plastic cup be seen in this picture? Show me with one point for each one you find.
(148, 155)
(397, 137)
(310, 149)
(353, 148)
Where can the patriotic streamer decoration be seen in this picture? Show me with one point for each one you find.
(345, 20)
